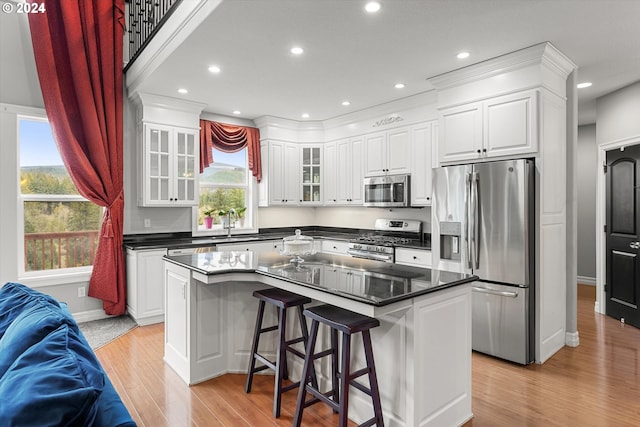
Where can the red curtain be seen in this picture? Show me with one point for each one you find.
(230, 138)
(78, 50)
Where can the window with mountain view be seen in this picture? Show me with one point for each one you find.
(224, 185)
(60, 227)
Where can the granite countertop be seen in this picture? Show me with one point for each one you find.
(372, 282)
(184, 240)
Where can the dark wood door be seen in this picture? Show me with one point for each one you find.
(622, 287)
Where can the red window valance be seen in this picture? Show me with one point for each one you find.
(230, 138)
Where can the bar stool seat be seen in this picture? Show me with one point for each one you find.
(349, 323)
(282, 300)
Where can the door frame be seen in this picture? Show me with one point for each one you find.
(601, 217)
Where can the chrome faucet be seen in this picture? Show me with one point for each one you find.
(229, 223)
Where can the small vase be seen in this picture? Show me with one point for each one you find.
(208, 221)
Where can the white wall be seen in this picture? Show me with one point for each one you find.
(19, 80)
(587, 179)
(618, 115)
(350, 217)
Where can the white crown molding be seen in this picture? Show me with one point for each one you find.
(165, 102)
(541, 53)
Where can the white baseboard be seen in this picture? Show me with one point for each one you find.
(87, 316)
(572, 339)
(586, 280)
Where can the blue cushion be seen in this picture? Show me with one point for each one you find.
(29, 327)
(51, 384)
(14, 298)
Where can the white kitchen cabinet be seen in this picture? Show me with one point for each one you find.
(387, 153)
(311, 174)
(170, 158)
(422, 145)
(349, 173)
(176, 326)
(413, 257)
(145, 292)
(284, 173)
(496, 127)
(330, 178)
(262, 246)
(343, 172)
(338, 247)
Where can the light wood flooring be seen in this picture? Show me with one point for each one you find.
(595, 384)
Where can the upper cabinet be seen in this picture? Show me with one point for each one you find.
(312, 174)
(284, 173)
(423, 138)
(168, 151)
(170, 156)
(495, 127)
(343, 172)
(387, 153)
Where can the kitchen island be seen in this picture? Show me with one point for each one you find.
(422, 347)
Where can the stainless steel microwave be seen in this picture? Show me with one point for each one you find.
(387, 191)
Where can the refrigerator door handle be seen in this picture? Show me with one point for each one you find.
(476, 220)
(495, 292)
(467, 221)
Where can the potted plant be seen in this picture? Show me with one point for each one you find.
(240, 212)
(208, 217)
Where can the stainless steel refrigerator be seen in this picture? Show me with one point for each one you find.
(484, 213)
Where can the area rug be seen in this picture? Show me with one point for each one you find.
(103, 331)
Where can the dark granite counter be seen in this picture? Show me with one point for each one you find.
(184, 240)
(372, 282)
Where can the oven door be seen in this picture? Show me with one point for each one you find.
(376, 256)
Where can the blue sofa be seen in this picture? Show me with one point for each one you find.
(49, 376)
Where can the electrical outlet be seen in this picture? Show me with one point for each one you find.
(147, 223)
(82, 292)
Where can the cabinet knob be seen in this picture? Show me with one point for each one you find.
(484, 150)
(415, 257)
(478, 151)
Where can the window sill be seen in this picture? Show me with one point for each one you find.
(41, 279)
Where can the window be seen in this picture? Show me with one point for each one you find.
(225, 191)
(60, 227)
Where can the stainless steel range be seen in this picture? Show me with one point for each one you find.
(380, 244)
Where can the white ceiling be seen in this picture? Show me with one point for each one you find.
(355, 56)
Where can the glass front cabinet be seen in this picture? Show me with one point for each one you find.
(170, 157)
(311, 167)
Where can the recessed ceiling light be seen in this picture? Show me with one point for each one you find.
(399, 85)
(345, 103)
(214, 69)
(462, 55)
(183, 91)
(372, 6)
(305, 115)
(297, 50)
(236, 112)
(583, 85)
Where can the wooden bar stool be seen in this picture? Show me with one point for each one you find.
(349, 323)
(282, 300)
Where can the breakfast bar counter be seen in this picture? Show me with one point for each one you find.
(422, 347)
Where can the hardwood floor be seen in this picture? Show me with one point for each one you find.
(595, 384)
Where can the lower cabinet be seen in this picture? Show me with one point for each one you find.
(413, 257)
(145, 293)
(264, 246)
(176, 327)
(338, 247)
